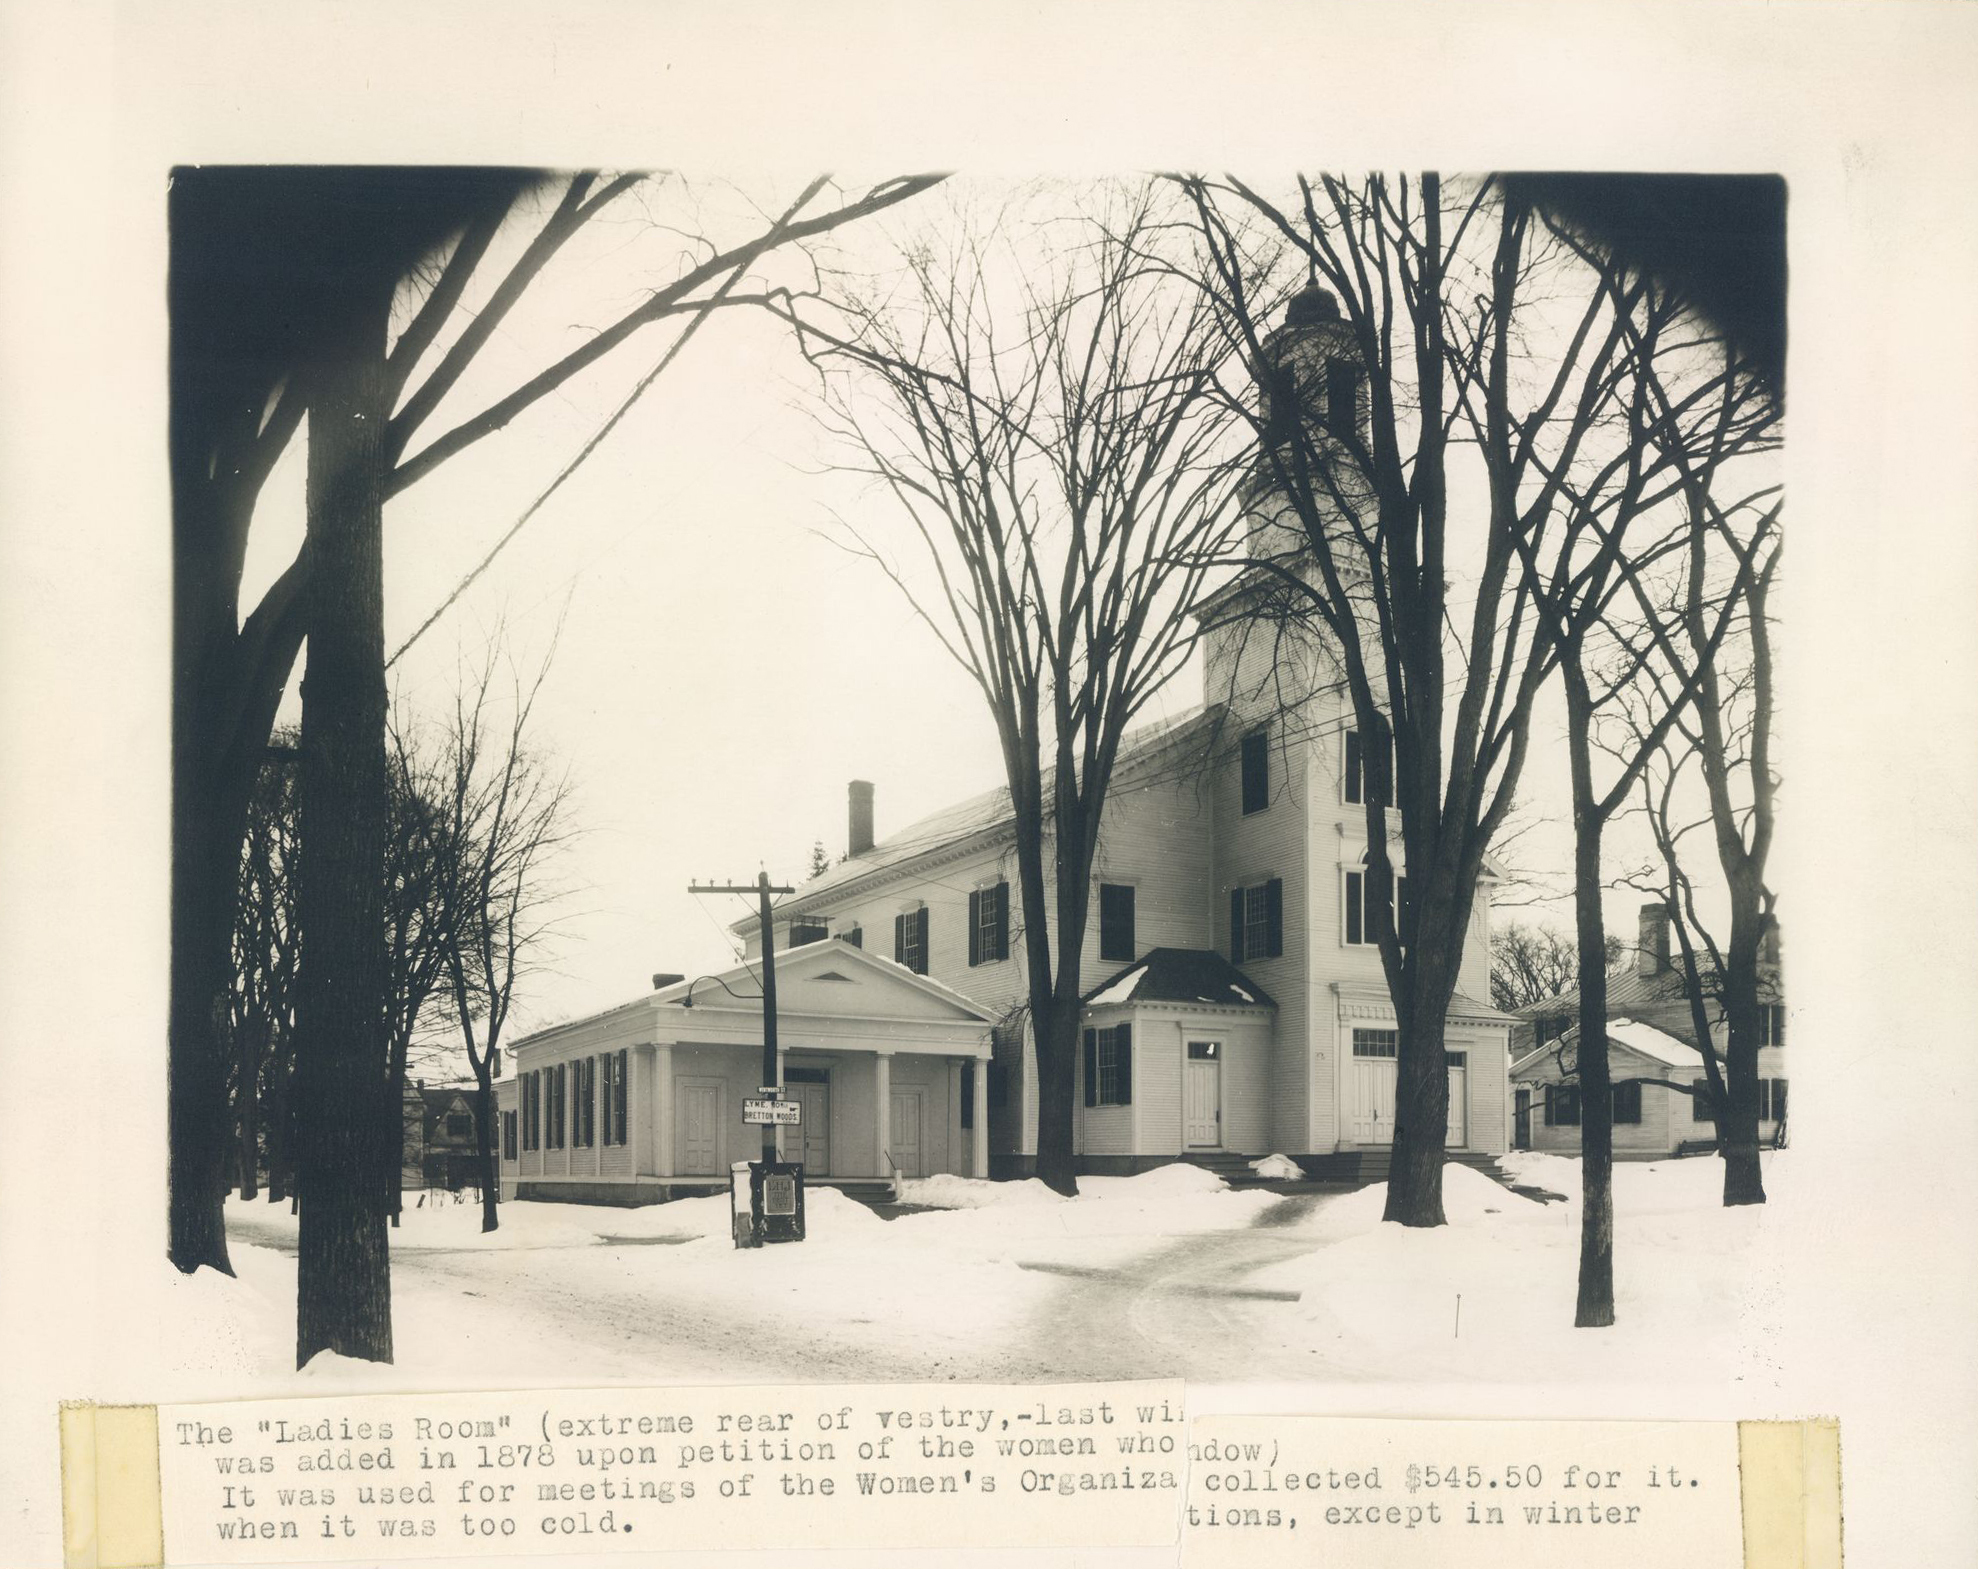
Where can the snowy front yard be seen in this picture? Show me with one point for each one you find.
(1170, 1273)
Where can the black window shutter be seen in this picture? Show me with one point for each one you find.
(1256, 771)
(1356, 928)
(1124, 1035)
(1128, 940)
(900, 939)
(1236, 926)
(1778, 1100)
(1354, 767)
(1273, 918)
(1002, 920)
(1091, 1067)
(920, 918)
(975, 953)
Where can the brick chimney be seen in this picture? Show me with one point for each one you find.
(665, 978)
(1652, 947)
(858, 829)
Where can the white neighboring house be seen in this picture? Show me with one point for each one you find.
(1650, 1030)
(1651, 1119)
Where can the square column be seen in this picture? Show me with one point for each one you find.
(980, 1154)
(882, 1112)
(662, 1110)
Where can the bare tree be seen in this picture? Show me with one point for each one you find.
(499, 813)
(1718, 747)
(1039, 405)
(276, 284)
(1434, 383)
(1530, 962)
(1687, 411)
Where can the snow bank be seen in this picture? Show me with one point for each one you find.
(1176, 1179)
(946, 1192)
(1278, 1168)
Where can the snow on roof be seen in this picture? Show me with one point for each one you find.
(982, 814)
(1181, 975)
(1120, 989)
(1644, 1040)
(1651, 1042)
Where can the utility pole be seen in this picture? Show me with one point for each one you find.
(762, 888)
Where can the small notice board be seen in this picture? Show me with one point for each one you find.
(772, 1112)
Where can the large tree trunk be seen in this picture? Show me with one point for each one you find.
(1737, 1125)
(349, 1130)
(1595, 1306)
(1421, 1088)
(1056, 1029)
(248, 1036)
(196, 1107)
(484, 1125)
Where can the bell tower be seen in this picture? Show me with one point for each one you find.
(1312, 391)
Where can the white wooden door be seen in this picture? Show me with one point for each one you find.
(904, 1132)
(813, 1144)
(1458, 1128)
(1202, 1096)
(700, 1128)
(1374, 1053)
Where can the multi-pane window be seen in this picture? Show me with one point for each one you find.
(910, 939)
(1376, 1043)
(1772, 1025)
(583, 1126)
(1700, 1108)
(1562, 1106)
(459, 1124)
(1361, 906)
(1109, 1066)
(988, 924)
(1256, 921)
(1256, 748)
(1627, 1101)
(1116, 921)
(1362, 780)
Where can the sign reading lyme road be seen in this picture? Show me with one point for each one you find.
(772, 1111)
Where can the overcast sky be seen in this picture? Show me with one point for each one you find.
(722, 667)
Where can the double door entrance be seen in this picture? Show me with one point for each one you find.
(1373, 1085)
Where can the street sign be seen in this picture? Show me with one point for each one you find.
(772, 1091)
(781, 1113)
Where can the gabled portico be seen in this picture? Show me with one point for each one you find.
(889, 1067)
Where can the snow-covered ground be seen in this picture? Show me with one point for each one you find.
(1170, 1273)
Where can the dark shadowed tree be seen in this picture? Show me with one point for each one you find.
(1037, 403)
(275, 279)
